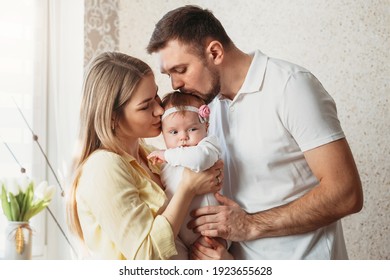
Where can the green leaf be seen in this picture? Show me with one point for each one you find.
(15, 209)
(19, 197)
(27, 201)
(35, 209)
(5, 204)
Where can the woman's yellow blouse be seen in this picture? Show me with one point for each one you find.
(118, 206)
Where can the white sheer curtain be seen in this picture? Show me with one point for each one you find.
(66, 58)
(41, 69)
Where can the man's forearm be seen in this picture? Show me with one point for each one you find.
(314, 210)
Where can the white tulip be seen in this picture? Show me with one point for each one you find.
(50, 191)
(44, 191)
(40, 190)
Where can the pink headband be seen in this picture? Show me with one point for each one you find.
(203, 112)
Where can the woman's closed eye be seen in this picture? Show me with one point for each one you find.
(145, 107)
(148, 104)
(180, 70)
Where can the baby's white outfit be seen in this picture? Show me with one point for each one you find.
(196, 158)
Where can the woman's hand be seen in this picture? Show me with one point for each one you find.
(207, 248)
(207, 181)
(192, 184)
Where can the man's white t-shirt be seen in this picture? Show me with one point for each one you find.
(281, 111)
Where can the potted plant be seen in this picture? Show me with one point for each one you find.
(22, 199)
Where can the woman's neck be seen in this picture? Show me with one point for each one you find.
(131, 146)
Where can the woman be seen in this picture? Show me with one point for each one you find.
(117, 206)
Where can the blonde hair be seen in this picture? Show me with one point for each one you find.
(109, 82)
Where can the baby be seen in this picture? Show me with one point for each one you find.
(184, 129)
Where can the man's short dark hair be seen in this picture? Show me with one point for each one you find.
(190, 25)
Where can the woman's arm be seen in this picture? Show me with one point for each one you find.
(119, 212)
(191, 184)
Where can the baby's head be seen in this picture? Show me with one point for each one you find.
(185, 120)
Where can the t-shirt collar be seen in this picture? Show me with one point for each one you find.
(255, 76)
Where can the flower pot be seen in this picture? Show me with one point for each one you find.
(18, 244)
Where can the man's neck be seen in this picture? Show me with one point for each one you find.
(233, 72)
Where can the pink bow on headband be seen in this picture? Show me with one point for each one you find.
(204, 111)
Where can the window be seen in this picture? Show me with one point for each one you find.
(41, 72)
(22, 86)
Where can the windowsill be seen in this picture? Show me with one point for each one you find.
(34, 257)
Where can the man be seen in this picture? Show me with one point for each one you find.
(289, 173)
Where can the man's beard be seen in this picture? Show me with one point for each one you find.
(215, 87)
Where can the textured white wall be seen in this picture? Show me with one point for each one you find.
(345, 44)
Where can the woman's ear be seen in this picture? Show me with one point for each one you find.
(114, 121)
(215, 51)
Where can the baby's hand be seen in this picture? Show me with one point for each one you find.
(205, 241)
(157, 156)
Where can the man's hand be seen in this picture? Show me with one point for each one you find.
(228, 220)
